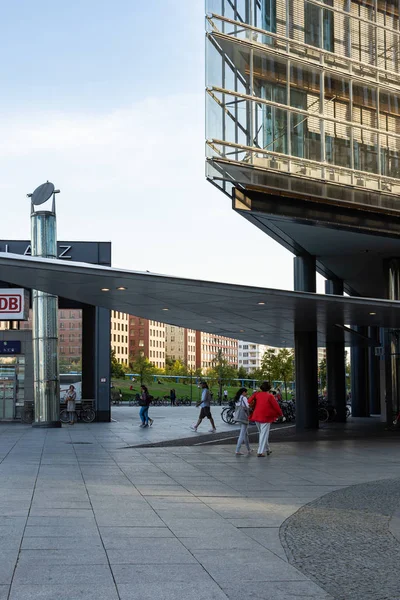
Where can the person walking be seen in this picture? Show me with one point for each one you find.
(205, 410)
(226, 396)
(144, 402)
(265, 410)
(70, 397)
(172, 396)
(242, 417)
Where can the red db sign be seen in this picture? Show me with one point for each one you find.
(14, 304)
(10, 303)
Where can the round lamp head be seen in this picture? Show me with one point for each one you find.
(42, 193)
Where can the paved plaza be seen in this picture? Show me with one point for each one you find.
(84, 515)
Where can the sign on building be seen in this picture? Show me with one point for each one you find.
(10, 347)
(14, 304)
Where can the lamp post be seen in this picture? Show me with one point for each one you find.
(44, 314)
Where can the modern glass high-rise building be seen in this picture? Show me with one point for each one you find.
(303, 97)
(303, 132)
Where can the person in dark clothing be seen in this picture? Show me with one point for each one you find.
(172, 396)
(145, 400)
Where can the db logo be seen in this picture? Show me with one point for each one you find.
(10, 303)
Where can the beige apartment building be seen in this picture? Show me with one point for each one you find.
(207, 347)
(180, 344)
(120, 336)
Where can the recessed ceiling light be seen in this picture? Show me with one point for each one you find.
(241, 330)
(372, 313)
(165, 309)
(121, 288)
(209, 321)
(261, 303)
(105, 289)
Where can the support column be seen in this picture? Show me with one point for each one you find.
(96, 359)
(392, 344)
(373, 369)
(306, 350)
(336, 360)
(359, 378)
(44, 314)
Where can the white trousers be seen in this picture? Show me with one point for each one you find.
(263, 430)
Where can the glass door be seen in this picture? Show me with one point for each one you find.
(7, 398)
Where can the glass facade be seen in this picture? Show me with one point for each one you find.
(307, 89)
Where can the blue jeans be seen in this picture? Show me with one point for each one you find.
(243, 437)
(144, 414)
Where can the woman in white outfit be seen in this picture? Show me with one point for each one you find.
(242, 417)
(71, 404)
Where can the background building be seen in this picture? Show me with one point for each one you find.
(207, 347)
(180, 344)
(147, 338)
(120, 336)
(250, 355)
(69, 338)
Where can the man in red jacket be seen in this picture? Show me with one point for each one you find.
(266, 411)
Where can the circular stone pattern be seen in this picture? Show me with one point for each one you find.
(342, 541)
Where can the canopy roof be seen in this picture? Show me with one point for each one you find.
(262, 315)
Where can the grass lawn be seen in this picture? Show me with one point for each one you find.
(163, 389)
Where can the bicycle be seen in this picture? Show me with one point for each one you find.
(84, 413)
(326, 412)
(28, 415)
(228, 415)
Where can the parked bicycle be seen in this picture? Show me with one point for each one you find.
(28, 414)
(228, 414)
(83, 413)
(288, 409)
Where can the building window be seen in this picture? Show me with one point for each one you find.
(319, 26)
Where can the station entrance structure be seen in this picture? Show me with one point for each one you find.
(16, 375)
(266, 316)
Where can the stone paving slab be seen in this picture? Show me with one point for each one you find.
(204, 523)
(208, 590)
(343, 541)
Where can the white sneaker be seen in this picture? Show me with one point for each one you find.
(193, 427)
(212, 431)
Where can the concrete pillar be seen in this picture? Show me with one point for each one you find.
(306, 351)
(359, 378)
(96, 359)
(373, 372)
(336, 361)
(392, 345)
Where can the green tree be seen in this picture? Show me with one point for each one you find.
(242, 373)
(278, 366)
(222, 372)
(257, 375)
(143, 367)
(175, 367)
(322, 374)
(285, 360)
(270, 366)
(117, 370)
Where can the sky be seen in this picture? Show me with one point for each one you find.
(106, 100)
